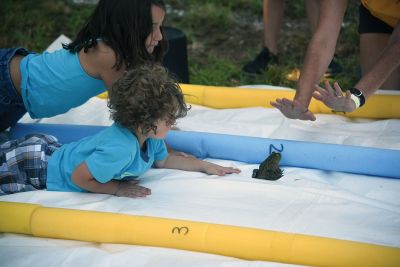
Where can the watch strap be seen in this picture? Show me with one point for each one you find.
(356, 100)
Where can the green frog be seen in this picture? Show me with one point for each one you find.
(269, 168)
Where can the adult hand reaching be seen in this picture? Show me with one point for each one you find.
(293, 109)
(334, 98)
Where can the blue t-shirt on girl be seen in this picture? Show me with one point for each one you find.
(113, 153)
(53, 83)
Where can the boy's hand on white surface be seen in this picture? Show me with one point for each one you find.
(293, 109)
(132, 189)
(334, 98)
(211, 168)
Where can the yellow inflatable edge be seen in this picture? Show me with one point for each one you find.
(377, 107)
(239, 242)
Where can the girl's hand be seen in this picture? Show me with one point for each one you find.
(212, 168)
(334, 98)
(132, 189)
(293, 109)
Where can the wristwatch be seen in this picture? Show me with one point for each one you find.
(357, 96)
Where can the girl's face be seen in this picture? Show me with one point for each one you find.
(155, 36)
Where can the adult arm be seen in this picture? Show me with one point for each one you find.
(369, 83)
(193, 164)
(319, 53)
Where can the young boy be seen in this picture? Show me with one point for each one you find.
(144, 104)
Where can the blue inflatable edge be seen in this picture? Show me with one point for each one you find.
(329, 157)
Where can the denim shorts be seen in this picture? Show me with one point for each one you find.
(11, 103)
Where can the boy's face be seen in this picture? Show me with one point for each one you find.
(163, 126)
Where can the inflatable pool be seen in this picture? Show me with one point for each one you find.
(383, 105)
(310, 216)
(239, 242)
(328, 157)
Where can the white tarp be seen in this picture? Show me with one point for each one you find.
(329, 204)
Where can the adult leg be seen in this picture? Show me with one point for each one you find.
(371, 47)
(374, 37)
(312, 10)
(273, 11)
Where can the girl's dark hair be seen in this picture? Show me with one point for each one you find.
(145, 95)
(124, 26)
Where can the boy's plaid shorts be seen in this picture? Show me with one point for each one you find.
(23, 163)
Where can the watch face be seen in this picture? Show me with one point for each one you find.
(355, 92)
(359, 94)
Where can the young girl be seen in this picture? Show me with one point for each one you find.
(144, 104)
(118, 35)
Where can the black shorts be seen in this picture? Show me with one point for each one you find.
(368, 23)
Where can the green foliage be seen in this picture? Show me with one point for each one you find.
(35, 24)
(223, 35)
(206, 18)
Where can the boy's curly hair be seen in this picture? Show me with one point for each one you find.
(145, 95)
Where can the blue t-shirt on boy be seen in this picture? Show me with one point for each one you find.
(113, 153)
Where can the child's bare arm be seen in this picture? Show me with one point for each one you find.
(193, 164)
(84, 179)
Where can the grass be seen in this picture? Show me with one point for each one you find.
(222, 36)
